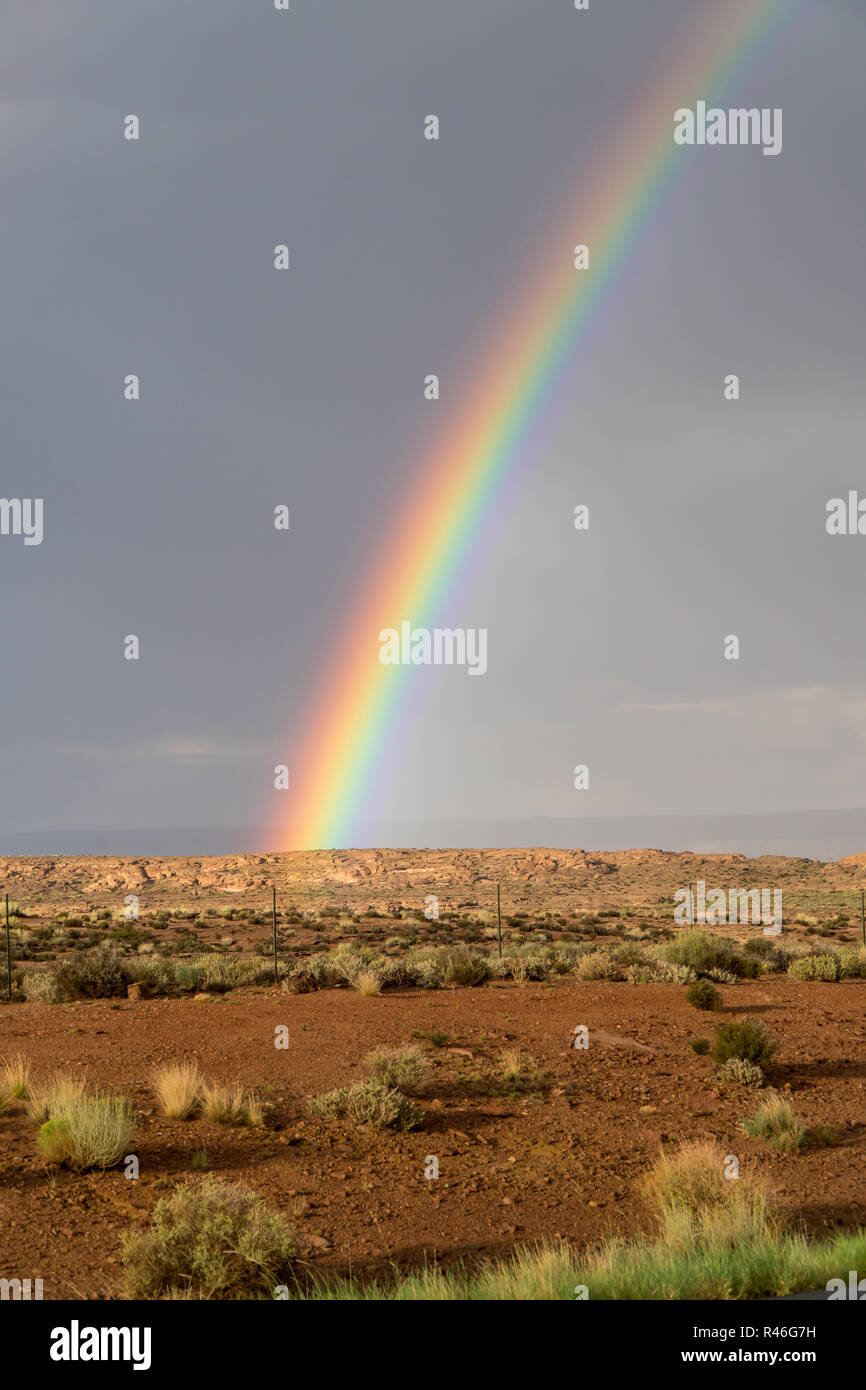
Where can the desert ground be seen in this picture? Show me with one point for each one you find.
(535, 1139)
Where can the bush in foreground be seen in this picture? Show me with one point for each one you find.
(746, 1039)
(702, 994)
(15, 1077)
(703, 952)
(777, 1121)
(43, 987)
(738, 1072)
(210, 1240)
(367, 1103)
(96, 974)
(88, 1131)
(398, 1067)
(823, 967)
(466, 968)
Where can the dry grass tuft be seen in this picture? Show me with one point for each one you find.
(512, 1065)
(404, 1067)
(15, 1078)
(224, 1105)
(368, 983)
(700, 1197)
(178, 1089)
(51, 1097)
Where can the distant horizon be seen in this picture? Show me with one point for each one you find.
(825, 836)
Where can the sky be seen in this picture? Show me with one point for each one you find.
(305, 388)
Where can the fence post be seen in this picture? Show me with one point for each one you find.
(274, 913)
(499, 918)
(863, 915)
(8, 954)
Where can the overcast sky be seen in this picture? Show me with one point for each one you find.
(306, 388)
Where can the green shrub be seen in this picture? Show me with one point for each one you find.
(744, 967)
(701, 994)
(599, 965)
(188, 976)
(396, 973)
(708, 955)
(738, 1072)
(222, 973)
(697, 949)
(398, 1067)
(428, 966)
(54, 1140)
(159, 974)
(18, 976)
(852, 962)
(43, 987)
(700, 1045)
(466, 969)
(96, 974)
(367, 1103)
(89, 1131)
(210, 1239)
(527, 963)
(767, 950)
(746, 1039)
(824, 967)
(659, 972)
(128, 935)
(319, 971)
(777, 1121)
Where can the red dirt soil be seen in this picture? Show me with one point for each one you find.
(562, 1159)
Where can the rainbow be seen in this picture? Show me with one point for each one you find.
(355, 714)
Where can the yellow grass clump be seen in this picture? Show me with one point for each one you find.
(178, 1089)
